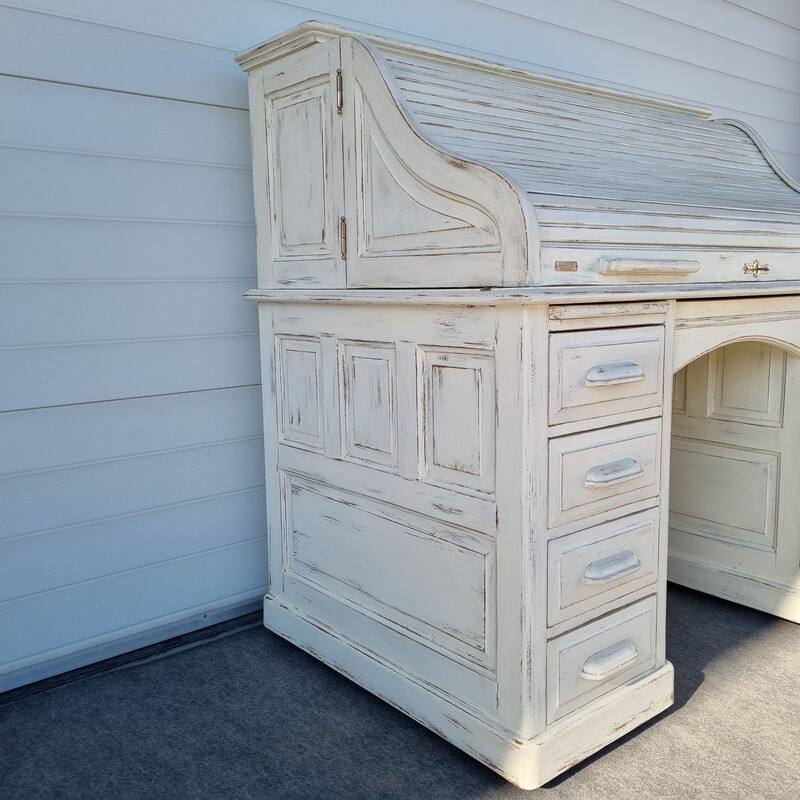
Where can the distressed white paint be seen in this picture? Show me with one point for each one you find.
(733, 506)
(530, 511)
(128, 239)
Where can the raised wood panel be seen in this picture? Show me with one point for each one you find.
(724, 493)
(300, 407)
(389, 646)
(369, 383)
(400, 213)
(86, 373)
(747, 383)
(457, 417)
(297, 152)
(299, 169)
(435, 581)
(462, 189)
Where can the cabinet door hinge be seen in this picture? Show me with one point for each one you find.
(343, 235)
(339, 94)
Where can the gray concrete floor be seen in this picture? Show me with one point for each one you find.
(236, 712)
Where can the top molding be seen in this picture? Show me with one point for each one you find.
(312, 32)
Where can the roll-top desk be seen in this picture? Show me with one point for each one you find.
(475, 287)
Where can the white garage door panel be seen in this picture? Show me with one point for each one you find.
(40, 114)
(48, 376)
(61, 436)
(209, 21)
(85, 615)
(45, 182)
(725, 19)
(67, 248)
(660, 34)
(110, 489)
(37, 314)
(132, 542)
(123, 60)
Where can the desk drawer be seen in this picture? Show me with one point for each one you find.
(602, 470)
(598, 372)
(596, 566)
(584, 664)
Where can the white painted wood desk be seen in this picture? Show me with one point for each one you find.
(475, 285)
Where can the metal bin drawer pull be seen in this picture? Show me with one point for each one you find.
(612, 567)
(602, 475)
(609, 661)
(613, 374)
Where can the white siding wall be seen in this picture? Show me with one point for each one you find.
(131, 501)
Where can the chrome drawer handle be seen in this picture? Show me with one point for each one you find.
(608, 661)
(612, 567)
(613, 374)
(624, 469)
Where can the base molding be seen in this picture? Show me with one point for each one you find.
(526, 763)
(747, 590)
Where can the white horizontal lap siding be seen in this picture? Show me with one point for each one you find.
(130, 457)
(131, 453)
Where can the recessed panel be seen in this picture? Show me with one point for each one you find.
(419, 575)
(726, 493)
(747, 380)
(402, 214)
(458, 418)
(299, 173)
(300, 392)
(370, 402)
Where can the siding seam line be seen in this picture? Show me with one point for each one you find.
(137, 512)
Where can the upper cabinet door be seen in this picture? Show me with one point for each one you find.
(299, 204)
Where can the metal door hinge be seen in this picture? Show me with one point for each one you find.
(339, 93)
(343, 235)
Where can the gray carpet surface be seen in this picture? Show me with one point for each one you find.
(243, 714)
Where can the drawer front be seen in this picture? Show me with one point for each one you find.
(602, 470)
(599, 372)
(600, 565)
(586, 663)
